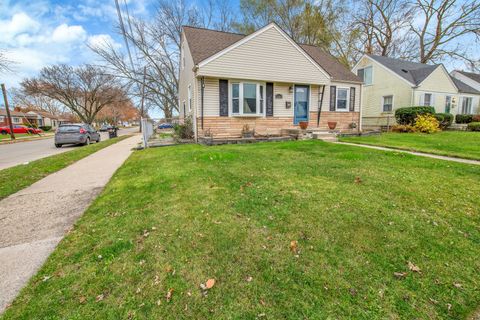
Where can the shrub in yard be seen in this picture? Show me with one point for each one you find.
(476, 118)
(473, 126)
(46, 128)
(463, 118)
(427, 123)
(185, 130)
(445, 119)
(407, 115)
(403, 128)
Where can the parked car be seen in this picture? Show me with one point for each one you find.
(105, 127)
(75, 133)
(17, 128)
(165, 126)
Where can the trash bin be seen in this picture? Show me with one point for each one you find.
(112, 132)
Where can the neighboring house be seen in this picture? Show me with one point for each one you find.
(44, 119)
(17, 117)
(469, 78)
(389, 84)
(264, 80)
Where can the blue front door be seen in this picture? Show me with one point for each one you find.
(301, 104)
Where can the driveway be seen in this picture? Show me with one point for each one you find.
(34, 220)
(21, 152)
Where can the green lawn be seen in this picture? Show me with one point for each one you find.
(173, 217)
(19, 177)
(448, 143)
(17, 135)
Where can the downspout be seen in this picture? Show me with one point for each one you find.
(360, 107)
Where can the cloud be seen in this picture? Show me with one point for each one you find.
(102, 40)
(18, 24)
(66, 33)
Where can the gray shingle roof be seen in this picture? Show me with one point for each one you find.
(413, 72)
(471, 75)
(463, 87)
(204, 43)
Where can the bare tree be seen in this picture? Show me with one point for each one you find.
(157, 47)
(36, 102)
(85, 90)
(445, 23)
(385, 25)
(5, 63)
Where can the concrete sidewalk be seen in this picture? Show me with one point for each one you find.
(34, 220)
(421, 154)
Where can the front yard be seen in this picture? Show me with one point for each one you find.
(294, 230)
(447, 143)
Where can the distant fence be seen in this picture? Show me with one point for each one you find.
(384, 123)
(147, 130)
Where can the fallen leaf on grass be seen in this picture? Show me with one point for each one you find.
(457, 285)
(400, 275)
(210, 283)
(99, 297)
(82, 299)
(249, 279)
(413, 267)
(358, 180)
(169, 294)
(294, 246)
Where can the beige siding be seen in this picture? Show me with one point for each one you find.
(211, 98)
(438, 81)
(385, 83)
(187, 77)
(269, 55)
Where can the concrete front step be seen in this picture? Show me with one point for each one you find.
(325, 136)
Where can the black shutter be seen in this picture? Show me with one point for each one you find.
(333, 97)
(352, 99)
(269, 100)
(223, 97)
(360, 73)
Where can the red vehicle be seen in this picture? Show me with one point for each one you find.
(19, 129)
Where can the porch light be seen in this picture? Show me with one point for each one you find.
(290, 89)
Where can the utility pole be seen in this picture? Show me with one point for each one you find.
(9, 118)
(142, 101)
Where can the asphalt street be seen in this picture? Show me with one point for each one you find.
(24, 152)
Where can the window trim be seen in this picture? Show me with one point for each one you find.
(16, 120)
(347, 109)
(363, 68)
(258, 114)
(471, 104)
(383, 103)
(189, 96)
(431, 99)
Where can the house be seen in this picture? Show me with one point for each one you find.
(264, 80)
(42, 118)
(390, 83)
(17, 117)
(469, 78)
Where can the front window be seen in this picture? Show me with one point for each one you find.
(342, 99)
(2, 118)
(467, 105)
(387, 103)
(247, 98)
(16, 120)
(366, 74)
(427, 99)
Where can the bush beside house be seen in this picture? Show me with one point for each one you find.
(407, 115)
(473, 126)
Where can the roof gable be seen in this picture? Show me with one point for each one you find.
(463, 87)
(207, 45)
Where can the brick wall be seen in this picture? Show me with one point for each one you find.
(222, 127)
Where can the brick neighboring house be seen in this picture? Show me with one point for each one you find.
(264, 80)
(18, 117)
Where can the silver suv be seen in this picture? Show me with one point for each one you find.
(75, 133)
